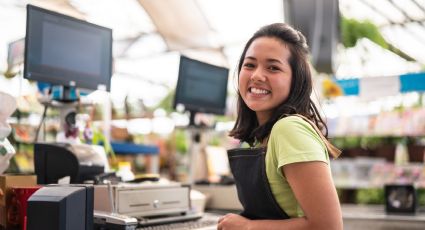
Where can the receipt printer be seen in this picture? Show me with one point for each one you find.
(54, 161)
(61, 207)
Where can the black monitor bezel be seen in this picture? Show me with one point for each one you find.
(54, 80)
(194, 108)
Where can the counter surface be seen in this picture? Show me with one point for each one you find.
(374, 217)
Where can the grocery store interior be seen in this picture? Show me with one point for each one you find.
(113, 115)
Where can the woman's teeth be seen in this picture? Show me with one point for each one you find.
(259, 91)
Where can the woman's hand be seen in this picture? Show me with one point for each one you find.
(232, 221)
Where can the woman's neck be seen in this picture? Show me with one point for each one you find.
(263, 117)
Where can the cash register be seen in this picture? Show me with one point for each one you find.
(156, 205)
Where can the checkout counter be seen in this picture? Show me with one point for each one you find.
(374, 217)
(355, 217)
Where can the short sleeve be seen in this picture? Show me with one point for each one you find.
(294, 140)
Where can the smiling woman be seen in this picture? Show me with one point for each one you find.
(265, 76)
(289, 155)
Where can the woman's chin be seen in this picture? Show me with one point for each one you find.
(257, 107)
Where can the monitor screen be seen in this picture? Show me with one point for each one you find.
(201, 87)
(62, 50)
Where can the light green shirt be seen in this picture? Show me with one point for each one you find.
(291, 140)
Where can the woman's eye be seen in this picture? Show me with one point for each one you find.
(249, 65)
(274, 68)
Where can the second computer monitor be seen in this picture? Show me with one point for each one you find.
(201, 87)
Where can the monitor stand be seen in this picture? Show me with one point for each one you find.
(197, 157)
(64, 93)
(192, 119)
(66, 99)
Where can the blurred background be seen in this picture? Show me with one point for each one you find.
(369, 79)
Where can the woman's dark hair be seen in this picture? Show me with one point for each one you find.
(247, 128)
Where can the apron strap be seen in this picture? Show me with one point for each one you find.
(334, 151)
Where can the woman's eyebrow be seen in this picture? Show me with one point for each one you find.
(274, 60)
(270, 60)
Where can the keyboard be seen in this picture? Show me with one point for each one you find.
(207, 222)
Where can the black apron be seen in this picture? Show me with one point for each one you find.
(254, 193)
(249, 170)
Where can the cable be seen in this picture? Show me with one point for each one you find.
(41, 123)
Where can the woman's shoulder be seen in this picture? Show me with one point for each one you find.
(295, 140)
(291, 118)
(291, 123)
(294, 127)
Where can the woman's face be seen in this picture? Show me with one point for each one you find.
(265, 76)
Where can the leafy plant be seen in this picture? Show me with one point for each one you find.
(421, 196)
(99, 138)
(371, 142)
(370, 196)
(347, 142)
(167, 102)
(352, 30)
(181, 141)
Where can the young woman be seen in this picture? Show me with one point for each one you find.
(283, 179)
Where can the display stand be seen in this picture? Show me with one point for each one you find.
(67, 113)
(198, 162)
(66, 99)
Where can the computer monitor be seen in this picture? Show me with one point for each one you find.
(66, 51)
(201, 87)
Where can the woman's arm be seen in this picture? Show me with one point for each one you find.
(314, 190)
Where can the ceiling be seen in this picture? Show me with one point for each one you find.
(149, 36)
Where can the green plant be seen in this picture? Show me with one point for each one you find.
(371, 142)
(421, 196)
(99, 138)
(338, 142)
(167, 102)
(215, 141)
(351, 142)
(181, 141)
(370, 196)
(352, 30)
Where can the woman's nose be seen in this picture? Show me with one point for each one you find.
(258, 75)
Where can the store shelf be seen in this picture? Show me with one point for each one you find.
(371, 173)
(126, 148)
(356, 185)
